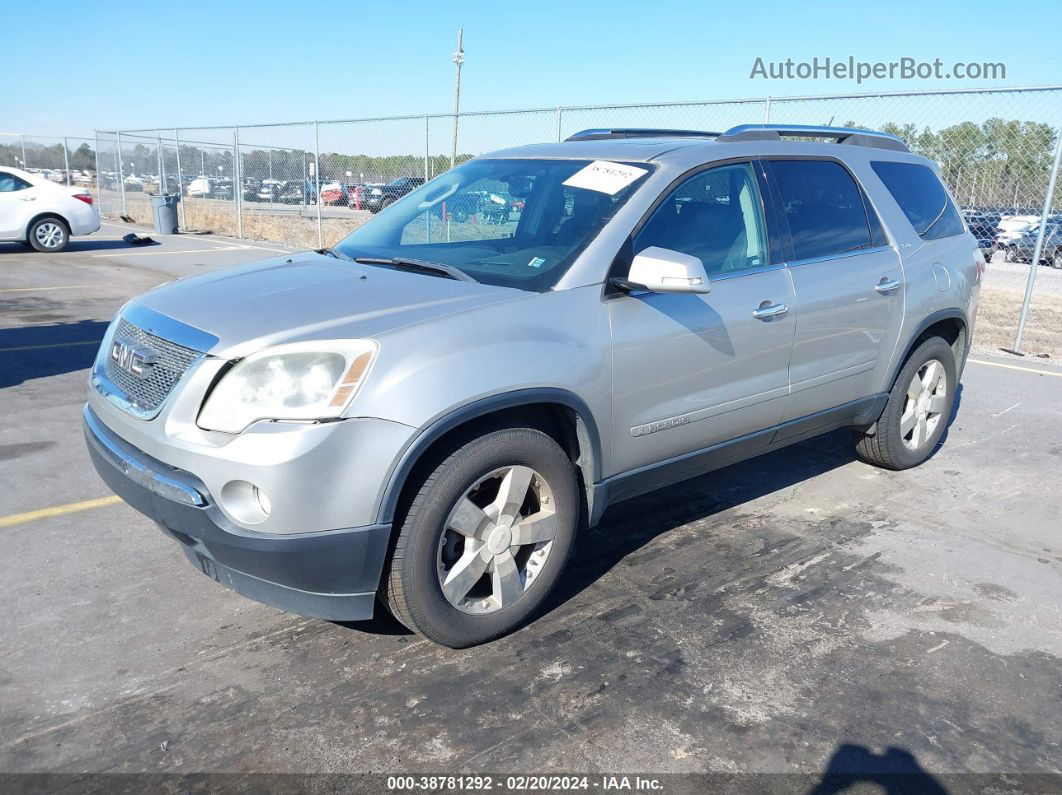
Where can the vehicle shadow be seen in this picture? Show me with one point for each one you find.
(895, 771)
(28, 352)
(630, 525)
(76, 245)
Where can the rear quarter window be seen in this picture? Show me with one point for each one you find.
(917, 189)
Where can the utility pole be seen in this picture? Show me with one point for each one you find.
(459, 58)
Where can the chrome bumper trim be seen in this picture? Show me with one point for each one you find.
(122, 457)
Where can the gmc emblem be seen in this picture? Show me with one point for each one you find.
(134, 359)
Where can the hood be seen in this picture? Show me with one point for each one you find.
(311, 296)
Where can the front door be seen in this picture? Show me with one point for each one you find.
(16, 197)
(693, 371)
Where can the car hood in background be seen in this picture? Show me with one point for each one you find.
(311, 296)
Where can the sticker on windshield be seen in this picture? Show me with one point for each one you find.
(536, 262)
(604, 176)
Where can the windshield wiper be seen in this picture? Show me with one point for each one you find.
(436, 268)
(331, 252)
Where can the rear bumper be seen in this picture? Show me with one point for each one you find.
(332, 575)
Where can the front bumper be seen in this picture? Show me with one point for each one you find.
(332, 575)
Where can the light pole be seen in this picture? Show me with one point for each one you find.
(459, 58)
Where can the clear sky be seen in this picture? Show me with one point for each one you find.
(109, 64)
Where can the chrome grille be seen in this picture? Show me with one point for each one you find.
(147, 394)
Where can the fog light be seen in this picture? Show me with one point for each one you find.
(244, 502)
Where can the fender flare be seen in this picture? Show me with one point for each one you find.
(952, 313)
(399, 474)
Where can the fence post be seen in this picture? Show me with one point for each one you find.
(162, 166)
(767, 111)
(237, 181)
(1035, 264)
(559, 112)
(121, 175)
(22, 140)
(66, 160)
(180, 177)
(99, 193)
(317, 180)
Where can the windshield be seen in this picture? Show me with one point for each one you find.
(513, 223)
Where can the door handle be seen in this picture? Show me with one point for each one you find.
(887, 285)
(767, 311)
(27, 198)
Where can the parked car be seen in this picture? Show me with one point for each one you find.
(199, 188)
(222, 189)
(386, 195)
(432, 420)
(269, 191)
(1022, 249)
(335, 193)
(41, 213)
(1012, 227)
(299, 192)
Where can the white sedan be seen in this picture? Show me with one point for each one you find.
(41, 213)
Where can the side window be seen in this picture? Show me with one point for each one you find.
(10, 183)
(823, 207)
(921, 197)
(877, 232)
(716, 216)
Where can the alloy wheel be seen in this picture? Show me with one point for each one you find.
(924, 404)
(496, 540)
(49, 234)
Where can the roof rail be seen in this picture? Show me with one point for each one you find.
(637, 132)
(843, 135)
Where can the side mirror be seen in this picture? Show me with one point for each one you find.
(662, 270)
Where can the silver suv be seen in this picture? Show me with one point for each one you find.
(427, 413)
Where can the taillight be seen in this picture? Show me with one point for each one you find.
(85, 197)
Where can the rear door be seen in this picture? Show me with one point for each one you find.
(693, 371)
(848, 283)
(17, 199)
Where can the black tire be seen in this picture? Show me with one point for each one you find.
(61, 234)
(387, 202)
(1056, 260)
(1011, 254)
(988, 256)
(412, 588)
(886, 447)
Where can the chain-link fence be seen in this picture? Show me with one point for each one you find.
(70, 161)
(310, 183)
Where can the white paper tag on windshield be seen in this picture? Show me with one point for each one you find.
(604, 176)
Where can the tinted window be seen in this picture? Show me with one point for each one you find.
(715, 216)
(877, 232)
(9, 183)
(823, 206)
(921, 197)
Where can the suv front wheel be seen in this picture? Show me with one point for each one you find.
(485, 537)
(917, 412)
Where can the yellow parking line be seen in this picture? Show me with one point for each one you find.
(50, 345)
(57, 510)
(36, 289)
(1016, 367)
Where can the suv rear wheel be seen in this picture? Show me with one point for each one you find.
(485, 537)
(48, 234)
(917, 412)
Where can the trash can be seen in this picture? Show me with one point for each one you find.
(164, 208)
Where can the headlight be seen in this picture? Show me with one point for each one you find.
(377, 192)
(300, 381)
